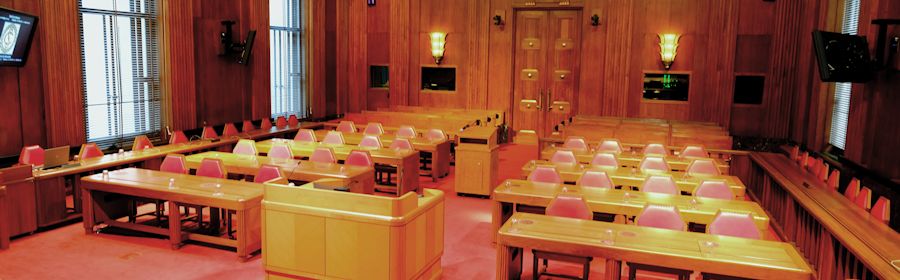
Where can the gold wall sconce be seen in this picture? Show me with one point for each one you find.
(668, 46)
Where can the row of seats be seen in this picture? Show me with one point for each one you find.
(376, 129)
(614, 146)
(656, 183)
(697, 167)
(855, 193)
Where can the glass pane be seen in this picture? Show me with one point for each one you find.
(287, 58)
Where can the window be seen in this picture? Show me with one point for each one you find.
(120, 64)
(664, 86)
(841, 110)
(288, 58)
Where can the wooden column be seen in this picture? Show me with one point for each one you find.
(781, 84)
(618, 55)
(177, 75)
(64, 105)
(400, 43)
(722, 30)
(260, 74)
(317, 53)
(479, 27)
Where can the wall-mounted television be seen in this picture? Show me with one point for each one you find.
(16, 32)
(842, 57)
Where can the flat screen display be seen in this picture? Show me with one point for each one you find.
(842, 57)
(16, 32)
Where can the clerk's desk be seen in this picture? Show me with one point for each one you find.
(37, 198)
(358, 179)
(570, 173)
(706, 253)
(440, 150)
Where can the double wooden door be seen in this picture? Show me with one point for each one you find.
(547, 53)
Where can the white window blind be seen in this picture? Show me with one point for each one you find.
(120, 62)
(840, 113)
(288, 59)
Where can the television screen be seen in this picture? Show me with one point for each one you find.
(16, 32)
(248, 48)
(842, 57)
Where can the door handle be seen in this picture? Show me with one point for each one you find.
(540, 99)
(549, 96)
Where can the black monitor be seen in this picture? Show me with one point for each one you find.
(247, 50)
(842, 57)
(16, 32)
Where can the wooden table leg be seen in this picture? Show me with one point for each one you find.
(509, 262)
(613, 269)
(501, 212)
(175, 237)
(87, 216)
(241, 235)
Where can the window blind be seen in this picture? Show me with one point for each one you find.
(120, 67)
(840, 113)
(288, 58)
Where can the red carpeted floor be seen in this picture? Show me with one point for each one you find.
(68, 253)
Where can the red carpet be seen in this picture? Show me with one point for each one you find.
(67, 253)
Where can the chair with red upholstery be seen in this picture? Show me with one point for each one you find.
(425, 158)
(374, 128)
(435, 134)
(714, 189)
(359, 158)
(323, 155)
(229, 130)
(208, 133)
(691, 151)
(605, 160)
(595, 179)
(833, 180)
(174, 163)
(89, 150)
(656, 149)
(864, 198)
(266, 173)
(407, 132)
(568, 206)
(281, 122)
(663, 217)
(265, 124)
(306, 136)
(178, 137)
(654, 164)
(852, 190)
(575, 144)
(703, 167)
(245, 147)
(334, 138)
(803, 160)
(660, 184)
(882, 210)
(32, 155)
(280, 150)
(212, 167)
(346, 127)
(545, 174)
(247, 126)
(401, 144)
(293, 120)
(563, 156)
(141, 142)
(610, 146)
(822, 173)
(370, 142)
(734, 224)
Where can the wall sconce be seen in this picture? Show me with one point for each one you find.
(595, 20)
(438, 41)
(668, 45)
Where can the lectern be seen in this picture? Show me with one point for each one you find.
(477, 161)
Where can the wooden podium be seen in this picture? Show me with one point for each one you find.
(477, 159)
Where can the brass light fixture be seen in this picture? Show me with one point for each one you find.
(668, 46)
(438, 42)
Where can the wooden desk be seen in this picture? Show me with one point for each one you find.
(634, 159)
(840, 239)
(358, 179)
(242, 197)
(4, 228)
(406, 161)
(570, 173)
(732, 256)
(323, 234)
(511, 194)
(440, 150)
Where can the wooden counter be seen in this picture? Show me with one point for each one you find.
(509, 196)
(358, 179)
(242, 197)
(840, 239)
(724, 255)
(324, 234)
(624, 176)
(440, 150)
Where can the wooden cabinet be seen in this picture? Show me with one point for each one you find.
(477, 161)
(21, 216)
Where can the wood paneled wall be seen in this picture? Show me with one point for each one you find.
(614, 56)
(21, 94)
